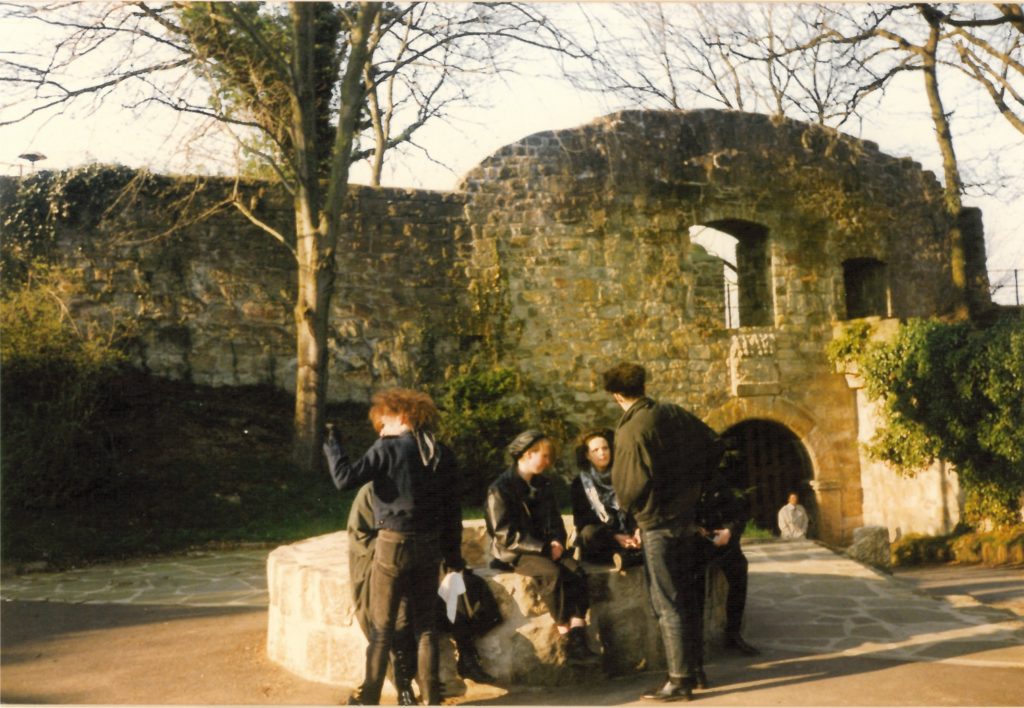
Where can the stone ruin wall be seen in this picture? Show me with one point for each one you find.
(564, 253)
(213, 302)
(583, 236)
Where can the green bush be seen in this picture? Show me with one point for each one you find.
(481, 411)
(54, 382)
(917, 549)
(955, 392)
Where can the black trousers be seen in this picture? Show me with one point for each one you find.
(734, 565)
(562, 585)
(403, 598)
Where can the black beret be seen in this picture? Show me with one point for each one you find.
(524, 441)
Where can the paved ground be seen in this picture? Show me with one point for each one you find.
(191, 630)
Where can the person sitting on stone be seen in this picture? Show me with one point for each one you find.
(476, 612)
(604, 532)
(528, 537)
(793, 519)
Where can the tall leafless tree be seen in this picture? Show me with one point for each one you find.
(308, 88)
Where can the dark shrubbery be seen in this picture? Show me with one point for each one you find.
(56, 380)
(482, 409)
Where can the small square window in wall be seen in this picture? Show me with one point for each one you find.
(866, 281)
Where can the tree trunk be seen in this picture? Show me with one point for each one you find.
(318, 217)
(950, 167)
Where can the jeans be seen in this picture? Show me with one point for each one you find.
(403, 598)
(670, 567)
(562, 585)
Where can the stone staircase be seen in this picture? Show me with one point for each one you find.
(313, 633)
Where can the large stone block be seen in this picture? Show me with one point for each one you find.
(312, 630)
(871, 546)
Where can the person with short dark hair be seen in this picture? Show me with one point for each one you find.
(722, 517)
(528, 537)
(605, 533)
(793, 520)
(662, 455)
(419, 526)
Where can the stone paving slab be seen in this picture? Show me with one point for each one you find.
(198, 579)
(802, 597)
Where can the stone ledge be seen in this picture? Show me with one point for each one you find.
(312, 630)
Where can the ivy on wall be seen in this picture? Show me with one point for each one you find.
(950, 391)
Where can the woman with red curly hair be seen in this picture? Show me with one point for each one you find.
(419, 524)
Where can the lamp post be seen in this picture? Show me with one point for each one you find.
(33, 158)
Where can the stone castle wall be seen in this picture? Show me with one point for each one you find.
(567, 252)
(211, 302)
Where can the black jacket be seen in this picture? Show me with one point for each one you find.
(662, 454)
(522, 518)
(583, 513)
(408, 496)
(722, 507)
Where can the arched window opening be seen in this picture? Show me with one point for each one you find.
(717, 287)
(742, 248)
(866, 281)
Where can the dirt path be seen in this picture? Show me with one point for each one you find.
(143, 654)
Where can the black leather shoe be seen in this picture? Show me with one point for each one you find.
(406, 697)
(701, 679)
(735, 641)
(670, 691)
(468, 667)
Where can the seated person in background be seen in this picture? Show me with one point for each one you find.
(793, 519)
(528, 537)
(604, 532)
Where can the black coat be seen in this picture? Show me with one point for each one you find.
(662, 455)
(522, 518)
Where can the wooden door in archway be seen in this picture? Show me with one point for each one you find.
(769, 461)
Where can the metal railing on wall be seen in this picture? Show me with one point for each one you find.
(1006, 286)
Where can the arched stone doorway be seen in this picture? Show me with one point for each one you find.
(770, 461)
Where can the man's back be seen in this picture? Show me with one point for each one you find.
(662, 454)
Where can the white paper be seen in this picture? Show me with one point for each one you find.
(452, 585)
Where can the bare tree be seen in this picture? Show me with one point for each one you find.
(981, 42)
(302, 86)
(726, 55)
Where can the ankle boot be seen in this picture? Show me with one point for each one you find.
(576, 649)
(468, 664)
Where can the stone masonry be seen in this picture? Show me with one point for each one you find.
(570, 250)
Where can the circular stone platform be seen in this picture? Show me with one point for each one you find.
(312, 630)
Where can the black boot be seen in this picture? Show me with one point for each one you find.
(576, 649)
(403, 668)
(468, 664)
(733, 640)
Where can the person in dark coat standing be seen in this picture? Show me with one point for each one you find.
(722, 516)
(419, 526)
(477, 611)
(604, 532)
(662, 455)
(528, 537)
